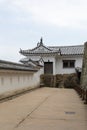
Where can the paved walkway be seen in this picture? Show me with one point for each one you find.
(44, 109)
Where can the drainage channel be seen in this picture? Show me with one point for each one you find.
(70, 112)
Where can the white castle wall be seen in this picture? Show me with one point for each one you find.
(59, 64)
(13, 82)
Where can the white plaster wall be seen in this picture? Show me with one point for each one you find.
(59, 65)
(35, 58)
(16, 80)
(36, 78)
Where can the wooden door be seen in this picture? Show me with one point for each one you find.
(48, 67)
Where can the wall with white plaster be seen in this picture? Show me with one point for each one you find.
(59, 64)
(13, 81)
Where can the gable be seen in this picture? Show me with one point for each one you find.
(41, 48)
(41, 61)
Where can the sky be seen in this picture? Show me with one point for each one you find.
(24, 22)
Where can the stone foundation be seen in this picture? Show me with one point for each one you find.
(60, 81)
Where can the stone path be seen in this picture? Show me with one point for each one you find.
(44, 109)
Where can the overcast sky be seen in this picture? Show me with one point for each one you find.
(24, 22)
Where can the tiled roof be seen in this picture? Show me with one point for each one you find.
(41, 49)
(27, 60)
(15, 66)
(70, 50)
(63, 50)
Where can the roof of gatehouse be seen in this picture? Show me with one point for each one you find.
(56, 50)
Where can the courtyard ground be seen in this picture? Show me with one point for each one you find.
(44, 109)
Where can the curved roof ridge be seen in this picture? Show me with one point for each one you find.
(67, 46)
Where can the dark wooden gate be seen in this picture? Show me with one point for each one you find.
(48, 67)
